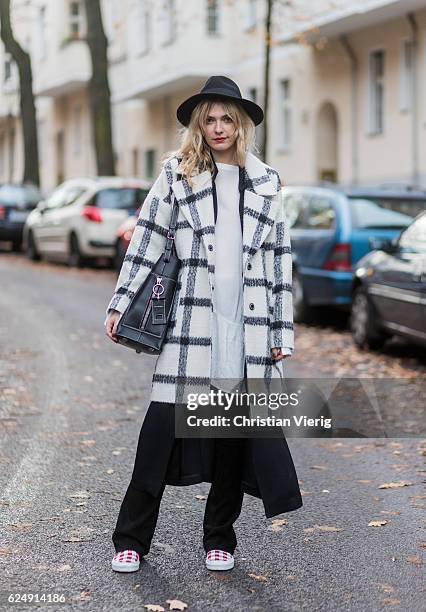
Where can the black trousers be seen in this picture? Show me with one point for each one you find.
(139, 510)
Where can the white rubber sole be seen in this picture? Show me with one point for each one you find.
(220, 565)
(125, 567)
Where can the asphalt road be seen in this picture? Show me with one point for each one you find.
(71, 406)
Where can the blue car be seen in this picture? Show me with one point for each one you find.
(331, 229)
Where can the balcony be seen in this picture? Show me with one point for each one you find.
(65, 72)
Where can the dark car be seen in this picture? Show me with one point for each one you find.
(389, 290)
(16, 202)
(331, 228)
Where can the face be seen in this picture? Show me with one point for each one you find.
(219, 130)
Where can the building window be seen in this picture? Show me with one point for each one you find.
(41, 33)
(213, 17)
(75, 19)
(377, 73)
(149, 163)
(77, 131)
(141, 25)
(8, 67)
(285, 92)
(406, 75)
(169, 22)
(251, 16)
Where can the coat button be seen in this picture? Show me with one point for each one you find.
(210, 247)
(249, 266)
(251, 306)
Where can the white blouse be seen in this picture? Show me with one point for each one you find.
(228, 355)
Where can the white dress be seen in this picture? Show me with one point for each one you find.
(228, 351)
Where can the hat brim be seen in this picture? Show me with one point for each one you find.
(184, 111)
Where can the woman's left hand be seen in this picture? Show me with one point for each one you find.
(277, 354)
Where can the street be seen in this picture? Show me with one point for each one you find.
(71, 406)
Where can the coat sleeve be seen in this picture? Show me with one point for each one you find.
(282, 333)
(147, 243)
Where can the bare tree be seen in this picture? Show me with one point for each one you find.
(26, 95)
(99, 90)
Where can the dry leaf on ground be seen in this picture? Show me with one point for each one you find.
(395, 485)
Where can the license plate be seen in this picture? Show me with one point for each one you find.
(17, 215)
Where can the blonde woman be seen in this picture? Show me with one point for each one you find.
(232, 319)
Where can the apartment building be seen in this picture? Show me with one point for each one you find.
(347, 89)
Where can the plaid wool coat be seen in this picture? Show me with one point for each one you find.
(267, 275)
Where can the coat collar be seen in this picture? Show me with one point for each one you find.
(260, 205)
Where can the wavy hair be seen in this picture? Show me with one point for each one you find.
(195, 154)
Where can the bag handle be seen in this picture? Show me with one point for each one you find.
(171, 234)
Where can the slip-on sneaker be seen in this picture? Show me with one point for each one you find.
(125, 561)
(219, 560)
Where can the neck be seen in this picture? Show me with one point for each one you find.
(224, 157)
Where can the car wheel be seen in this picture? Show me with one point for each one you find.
(32, 252)
(75, 259)
(301, 311)
(17, 245)
(363, 321)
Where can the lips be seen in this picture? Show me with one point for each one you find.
(219, 139)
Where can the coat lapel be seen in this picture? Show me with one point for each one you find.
(260, 206)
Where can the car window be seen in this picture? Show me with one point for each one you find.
(295, 205)
(65, 195)
(127, 198)
(17, 195)
(321, 214)
(414, 237)
(72, 194)
(378, 213)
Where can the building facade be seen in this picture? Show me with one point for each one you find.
(347, 85)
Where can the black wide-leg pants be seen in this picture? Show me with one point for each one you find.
(139, 510)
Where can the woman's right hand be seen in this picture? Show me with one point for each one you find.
(111, 324)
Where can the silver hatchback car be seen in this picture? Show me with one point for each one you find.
(80, 219)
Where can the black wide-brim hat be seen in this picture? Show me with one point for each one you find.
(219, 87)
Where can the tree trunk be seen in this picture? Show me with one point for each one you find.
(266, 77)
(99, 91)
(27, 103)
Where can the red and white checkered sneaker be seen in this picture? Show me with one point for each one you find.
(219, 560)
(125, 561)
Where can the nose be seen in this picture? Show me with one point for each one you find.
(218, 128)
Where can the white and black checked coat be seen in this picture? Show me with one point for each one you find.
(267, 272)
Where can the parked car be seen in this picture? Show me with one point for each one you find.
(124, 235)
(331, 229)
(79, 220)
(16, 202)
(389, 289)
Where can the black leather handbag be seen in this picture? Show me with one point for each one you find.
(143, 325)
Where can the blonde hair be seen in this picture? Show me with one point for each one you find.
(195, 154)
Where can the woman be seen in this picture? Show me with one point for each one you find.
(231, 322)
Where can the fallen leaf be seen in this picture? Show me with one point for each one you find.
(377, 523)
(259, 578)
(80, 495)
(175, 604)
(110, 471)
(154, 607)
(415, 560)
(386, 588)
(328, 528)
(391, 602)
(364, 481)
(319, 467)
(395, 485)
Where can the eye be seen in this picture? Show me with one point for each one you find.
(210, 119)
(228, 119)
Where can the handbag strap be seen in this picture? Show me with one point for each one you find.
(172, 228)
